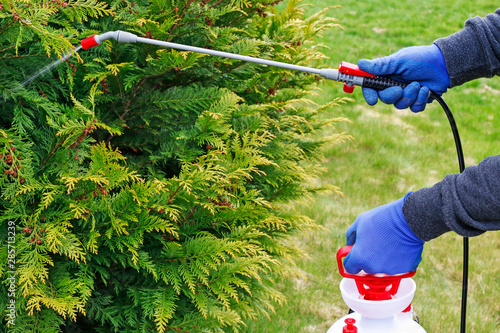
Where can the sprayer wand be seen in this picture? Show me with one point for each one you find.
(348, 73)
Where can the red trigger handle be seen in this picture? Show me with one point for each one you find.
(352, 69)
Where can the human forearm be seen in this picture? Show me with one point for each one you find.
(467, 203)
(474, 51)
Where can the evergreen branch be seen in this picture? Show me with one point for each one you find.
(272, 91)
(80, 10)
(246, 15)
(134, 94)
(59, 144)
(181, 15)
(172, 196)
(188, 215)
(215, 4)
(127, 106)
(8, 25)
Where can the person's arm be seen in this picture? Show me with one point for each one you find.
(473, 52)
(466, 203)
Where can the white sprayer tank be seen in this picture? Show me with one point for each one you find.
(381, 303)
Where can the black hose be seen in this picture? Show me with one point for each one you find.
(461, 163)
(456, 136)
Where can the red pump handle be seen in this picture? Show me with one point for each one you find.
(375, 287)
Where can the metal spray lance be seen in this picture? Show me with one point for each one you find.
(348, 73)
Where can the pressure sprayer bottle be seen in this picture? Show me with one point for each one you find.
(381, 303)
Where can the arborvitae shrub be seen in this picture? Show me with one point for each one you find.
(152, 189)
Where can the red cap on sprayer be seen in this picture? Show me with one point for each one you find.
(88, 42)
(349, 326)
(373, 287)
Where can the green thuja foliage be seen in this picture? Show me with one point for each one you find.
(151, 189)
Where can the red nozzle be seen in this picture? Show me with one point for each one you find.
(89, 42)
(374, 287)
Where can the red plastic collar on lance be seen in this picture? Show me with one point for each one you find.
(120, 36)
(373, 287)
(348, 73)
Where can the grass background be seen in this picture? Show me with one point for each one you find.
(393, 152)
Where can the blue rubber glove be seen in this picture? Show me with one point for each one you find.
(383, 242)
(424, 66)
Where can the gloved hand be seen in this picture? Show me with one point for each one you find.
(383, 242)
(424, 66)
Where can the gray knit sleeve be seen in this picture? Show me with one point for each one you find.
(467, 203)
(473, 52)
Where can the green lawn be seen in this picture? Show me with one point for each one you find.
(393, 152)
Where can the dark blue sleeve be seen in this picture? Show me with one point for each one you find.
(473, 52)
(467, 203)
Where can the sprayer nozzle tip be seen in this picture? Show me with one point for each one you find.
(89, 42)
